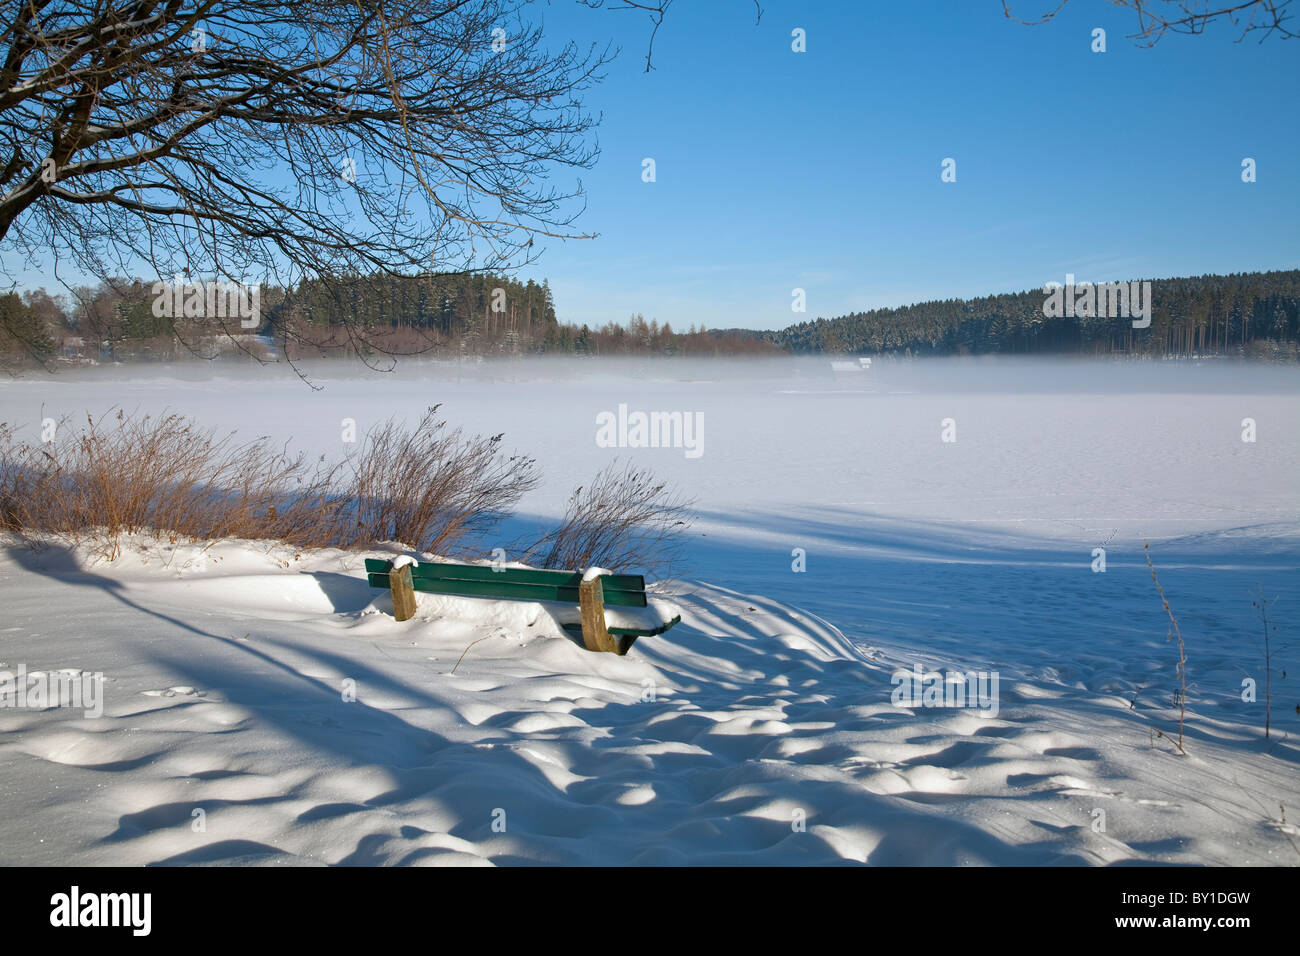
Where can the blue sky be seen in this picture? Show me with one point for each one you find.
(821, 170)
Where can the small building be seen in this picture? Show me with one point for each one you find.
(851, 366)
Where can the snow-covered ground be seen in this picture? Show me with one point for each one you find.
(261, 705)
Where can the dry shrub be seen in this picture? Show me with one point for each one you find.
(146, 474)
(625, 520)
(430, 487)
(425, 487)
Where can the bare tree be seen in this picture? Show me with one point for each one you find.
(1157, 17)
(267, 140)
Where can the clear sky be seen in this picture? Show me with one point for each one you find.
(821, 170)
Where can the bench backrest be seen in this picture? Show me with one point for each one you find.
(522, 584)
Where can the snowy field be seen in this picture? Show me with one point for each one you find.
(261, 705)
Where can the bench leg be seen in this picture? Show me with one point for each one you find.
(399, 580)
(591, 600)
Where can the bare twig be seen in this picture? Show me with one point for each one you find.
(1174, 630)
(1157, 17)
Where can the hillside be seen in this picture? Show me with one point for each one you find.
(1255, 314)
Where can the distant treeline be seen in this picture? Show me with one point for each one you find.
(1254, 313)
(476, 315)
(464, 314)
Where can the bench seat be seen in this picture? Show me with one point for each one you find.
(526, 584)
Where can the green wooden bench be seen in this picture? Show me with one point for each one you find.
(524, 584)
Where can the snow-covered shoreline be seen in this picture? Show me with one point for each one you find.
(261, 706)
(268, 699)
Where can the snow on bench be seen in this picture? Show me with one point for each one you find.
(591, 590)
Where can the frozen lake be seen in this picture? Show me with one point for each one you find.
(1050, 460)
(1062, 451)
(832, 514)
